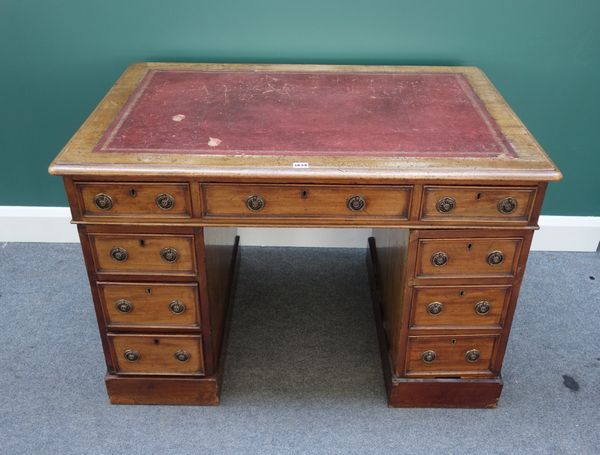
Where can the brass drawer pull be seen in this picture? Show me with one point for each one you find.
(445, 204)
(439, 259)
(428, 356)
(168, 254)
(165, 201)
(435, 308)
(482, 307)
(124, 306)
(255, 203)
(119, 254)
(356, 203)
(182, 356)
(103, 201)
(472, 355)
(131, 355)
(495, 258)
(507, 205)
(176, 307)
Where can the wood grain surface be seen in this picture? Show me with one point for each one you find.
(157, 354)
(150, 304)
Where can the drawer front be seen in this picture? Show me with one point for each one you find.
(151, 304)
(472, 203)
(468, 257)
(450, 356)
(151, 200)
(144, 254)
(157, 354)
(306, 201)
(459, 306)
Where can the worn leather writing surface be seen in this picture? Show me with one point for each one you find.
(305, 113)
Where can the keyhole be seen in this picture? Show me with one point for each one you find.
(478, 196)
(469, 246)
(461, 293)
(156, 341)
(132, 192)
(453, 341)
(142, 242)
(304, 194)
(148, 290)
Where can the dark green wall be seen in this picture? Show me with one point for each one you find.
(58, 58)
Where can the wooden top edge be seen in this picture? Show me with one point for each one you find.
(302, 67)
(334, 174)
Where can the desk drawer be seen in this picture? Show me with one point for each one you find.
(150, 304)
(144, 254)
(157, 354)
(139, 200)
(459, 306)
(272, 201)
(450, 356)
(456, 204)
(468, 257)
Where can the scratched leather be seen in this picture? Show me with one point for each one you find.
(384, 114)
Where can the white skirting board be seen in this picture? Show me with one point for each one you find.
(52, 224)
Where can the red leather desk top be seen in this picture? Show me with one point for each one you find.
(305, 113)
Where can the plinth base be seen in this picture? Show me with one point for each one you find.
(153, 390)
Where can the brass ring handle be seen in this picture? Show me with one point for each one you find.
(131, 355)
(482, 307)
(165, 201)
(507, 205)
(439, 259)
(428, 356)
(445, 204)
(182, 356)
(495, 258)
(103, 201)
(119, 254)
(124, 306)
(472, 355)
(176, 307)
(169, 254)
(435, 308)
(356, 203)
(255, 203)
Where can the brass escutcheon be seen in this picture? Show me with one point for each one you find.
(482, 307)
(255, 203)
(439, 259)
(176, 307)
(445, 204)
(356, 203)
(131, 355)
(119, 254)
(103, 201)
(472, 355)
(165, 201)
(182, 356)
(168, 254)
(124, 306)
(428, 356)
(435, 308)
(507, 205)
(495, 258)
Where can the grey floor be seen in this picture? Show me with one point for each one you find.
(303, 373)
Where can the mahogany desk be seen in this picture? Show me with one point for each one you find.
(176, 156)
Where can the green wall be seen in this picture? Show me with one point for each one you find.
(58, 58)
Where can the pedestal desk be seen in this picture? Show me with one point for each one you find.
(177, 156)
